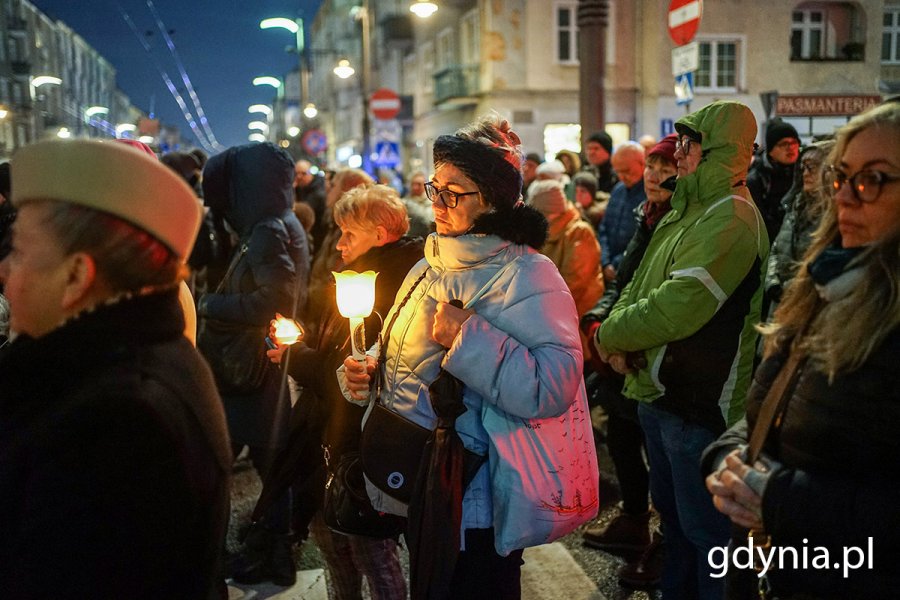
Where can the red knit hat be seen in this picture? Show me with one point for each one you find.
(665, 149)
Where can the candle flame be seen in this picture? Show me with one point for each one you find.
(287, 331)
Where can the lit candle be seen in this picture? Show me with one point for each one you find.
(287, 331)
(355, 299)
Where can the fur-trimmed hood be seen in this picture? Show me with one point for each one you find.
(521, 225)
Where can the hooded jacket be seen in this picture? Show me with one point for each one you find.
(250, 186)
(519, 354)
(695, 298)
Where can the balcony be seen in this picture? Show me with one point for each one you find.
(455, 83)
(20, 67)
(16, 24)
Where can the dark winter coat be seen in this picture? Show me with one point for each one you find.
(768, 183)
(314, 195)
(114, 460)
(322, 415)
(250, 186)
(839, 448)
(606, 177)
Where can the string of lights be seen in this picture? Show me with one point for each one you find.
(204, 122)
(188, 117)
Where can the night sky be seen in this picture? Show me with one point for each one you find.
(219, 43)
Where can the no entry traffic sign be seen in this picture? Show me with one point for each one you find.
(684, 20)
(385, 103)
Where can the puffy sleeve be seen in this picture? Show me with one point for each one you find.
(709, 265)
(527, 359)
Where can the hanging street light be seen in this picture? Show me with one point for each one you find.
(310, 111)
(423, 8)
(343, 69)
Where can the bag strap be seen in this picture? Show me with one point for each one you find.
(774, 405)
(382, 353)
(238, 254)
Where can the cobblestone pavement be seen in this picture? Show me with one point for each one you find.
(600, 567)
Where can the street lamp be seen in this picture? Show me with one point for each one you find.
(267, 80)
(423, 8)
(64, 133)
(310, 111)
(295, 27)
(293, 131)
(260, 108)
(44, 79)
(123, 128)
(343, 69)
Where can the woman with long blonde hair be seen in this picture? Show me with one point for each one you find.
(822, 483)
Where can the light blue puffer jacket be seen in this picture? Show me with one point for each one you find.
(520, 352)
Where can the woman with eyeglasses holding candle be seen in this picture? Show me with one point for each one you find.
(825, 477)
(517, 351)
(373, 223)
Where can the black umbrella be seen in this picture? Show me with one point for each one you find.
(435, 512)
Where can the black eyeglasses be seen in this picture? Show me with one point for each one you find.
(449, 198)
(865, 186)
(810, 166)
(683, 144)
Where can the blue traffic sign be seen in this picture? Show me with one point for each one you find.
(314, 141)
(684, 88)
(387, 154)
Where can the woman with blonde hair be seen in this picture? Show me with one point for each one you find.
(824, 410)
(373, 223)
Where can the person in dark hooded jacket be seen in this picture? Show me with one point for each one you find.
(250, 186)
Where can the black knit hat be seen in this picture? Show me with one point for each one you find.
(778, 130)
(602, 138)
(499, 182)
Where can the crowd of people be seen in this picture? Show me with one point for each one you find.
(731, 313)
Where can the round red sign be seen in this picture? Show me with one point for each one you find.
(684, 20)
(385, 103)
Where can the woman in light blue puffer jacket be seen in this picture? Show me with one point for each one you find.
(516, 349)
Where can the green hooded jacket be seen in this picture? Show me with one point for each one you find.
(693, 302)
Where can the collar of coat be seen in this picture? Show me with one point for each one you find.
(93, 338)
(468, 250)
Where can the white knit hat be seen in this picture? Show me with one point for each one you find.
(112, 178)
(548, 197)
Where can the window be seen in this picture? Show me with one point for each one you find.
(566, 32)
(446, 49)
(807, 34)
(470, 39)
(827, 31)
(718, 66)
(890, 36)
(427, 66)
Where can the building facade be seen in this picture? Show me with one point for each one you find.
(53, 83)
(813, 63)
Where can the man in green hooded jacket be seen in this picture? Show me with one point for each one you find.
(690, 310)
